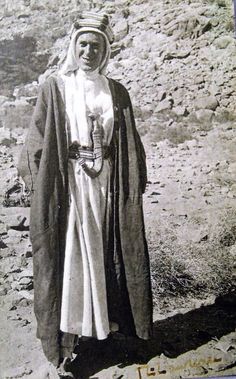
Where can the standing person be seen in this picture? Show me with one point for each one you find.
(85, 165)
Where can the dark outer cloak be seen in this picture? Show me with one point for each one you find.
(43, 166)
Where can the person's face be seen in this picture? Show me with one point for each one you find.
(90, 48)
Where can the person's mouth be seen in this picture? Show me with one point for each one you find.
(87, 60)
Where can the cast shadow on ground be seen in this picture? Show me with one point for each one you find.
(172, 336)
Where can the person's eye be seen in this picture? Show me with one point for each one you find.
(82, 44)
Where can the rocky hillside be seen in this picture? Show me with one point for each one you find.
(177, 61)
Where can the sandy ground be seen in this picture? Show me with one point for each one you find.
(187, 182)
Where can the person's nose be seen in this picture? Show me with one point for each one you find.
(88, 50)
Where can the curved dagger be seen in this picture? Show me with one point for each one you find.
(96, 169)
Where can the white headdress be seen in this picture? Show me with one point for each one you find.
(89, 22)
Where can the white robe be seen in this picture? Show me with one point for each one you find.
(84, 301)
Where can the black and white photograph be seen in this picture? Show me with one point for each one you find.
(118, 189)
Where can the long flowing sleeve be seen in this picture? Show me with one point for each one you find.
(140, 151)
(28, 165)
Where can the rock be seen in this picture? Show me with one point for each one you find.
(3, 99)
(187, 23)
(161, 94)
(214, 89)
(146, 112)
(178, 54)
(164, 105)
(191, 144)
(178, 96)
(199, 79)
(203, 116)
(13, 241)
(26, 273)
(2, 244)
(23, 262)
(214, 22)
(25, 303)
(221, 3)
(225, 102)
(3, 291)
(162, 80)
(19, 63)
(16, 114)
(7, 286)
(223, 114)
(6, 138)
(219, 79)
(6, 252)
(121, 29)
(21, 301)
(28, 254)
(227, 92)
(20, 227)
(20, 137)
(233, 190)
(115, 51)
(24, 323)
(137, 112)
(180, 111)
(14, 233)
(15, 286)
(28, 90)
(206, 102)
(26, 295)
(26, 284)
(233, 83)
(224, 41)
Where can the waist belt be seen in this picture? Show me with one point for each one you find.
(83, 152)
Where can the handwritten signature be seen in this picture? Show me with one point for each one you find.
(145, 371)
